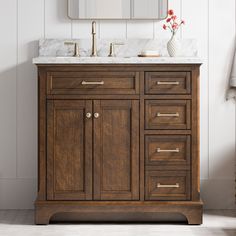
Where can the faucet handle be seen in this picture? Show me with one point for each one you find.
(112, 48)
(76, 47)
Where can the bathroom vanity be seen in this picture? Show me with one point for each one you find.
(118, 139)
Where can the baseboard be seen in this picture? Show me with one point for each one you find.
(218, 194)
(17, 193)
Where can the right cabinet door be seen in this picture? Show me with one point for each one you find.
(116, 150)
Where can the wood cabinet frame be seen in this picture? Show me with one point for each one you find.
(111, 210)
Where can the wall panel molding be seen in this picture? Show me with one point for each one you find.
(27, 85)
(8, 92)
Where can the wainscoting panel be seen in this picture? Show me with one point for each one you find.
(221, 112)
(27, 85)
(8, 76)
(198, 27)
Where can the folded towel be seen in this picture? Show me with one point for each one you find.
(232, 82)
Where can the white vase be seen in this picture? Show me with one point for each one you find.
(173, 46)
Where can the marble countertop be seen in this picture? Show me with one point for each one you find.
(117, 60)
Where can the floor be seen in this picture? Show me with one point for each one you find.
(21, 223)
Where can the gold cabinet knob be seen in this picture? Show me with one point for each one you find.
(96, 115)
(88, 115)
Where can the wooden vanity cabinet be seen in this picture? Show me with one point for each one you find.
(118, 142)
(92, 158)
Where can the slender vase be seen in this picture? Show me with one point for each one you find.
(173, 46)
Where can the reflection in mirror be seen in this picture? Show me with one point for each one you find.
(117, 9)
(149, 9)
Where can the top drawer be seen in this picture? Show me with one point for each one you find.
(168, 82)
(93, 83)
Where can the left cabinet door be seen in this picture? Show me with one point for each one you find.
(69, 150)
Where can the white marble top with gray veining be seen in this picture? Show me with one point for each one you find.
(117, 60)
(54, 51)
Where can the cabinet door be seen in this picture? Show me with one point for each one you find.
(69, 150)
(116, 150)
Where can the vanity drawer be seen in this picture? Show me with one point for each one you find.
(167, 185)
(167, 83)
(167, 114)
(93, 83)
(167, 149)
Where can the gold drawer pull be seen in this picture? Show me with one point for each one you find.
(93, 83)
(173, 150)
(167, 83)
(167, 114)
(168, 186)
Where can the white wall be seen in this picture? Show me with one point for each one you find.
(23, 22)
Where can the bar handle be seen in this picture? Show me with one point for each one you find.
(168, 185)
(167, 83)
(167, 114)
(92, 82)
(166, 150)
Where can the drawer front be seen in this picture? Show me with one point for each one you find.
(92, 83)
(167, 114)
(167, 149)
(168, 83)
(167, 185)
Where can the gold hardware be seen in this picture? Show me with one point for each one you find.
(167, 83)
(94, 44)
(167, 114)
(96, 115)
(88, 115)
(168, 186)
(76, 49)
(162, 150)
(112, 49)
(92, 83)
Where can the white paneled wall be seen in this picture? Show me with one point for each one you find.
(23, 22)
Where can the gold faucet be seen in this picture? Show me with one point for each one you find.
(76, 47)
(94, 43)
(112, 50)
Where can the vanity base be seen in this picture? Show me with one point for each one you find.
(117, 211)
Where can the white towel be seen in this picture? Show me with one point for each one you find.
(232, 82)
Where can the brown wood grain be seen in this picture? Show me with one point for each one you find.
(116, 155)
(69, 156)
(168, 143)
(42, 139)
(180, 107)
(108, 164)
(182, 80)
(71, 83)
(196, 135)
(167, 178)
(192, 210)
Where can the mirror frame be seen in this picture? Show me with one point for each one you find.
(139, 19)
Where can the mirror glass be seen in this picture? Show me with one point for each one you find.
(117, 9)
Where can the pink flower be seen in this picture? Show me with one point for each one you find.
(171, 12)
(175, 26)
(174, 17)
(172, 23)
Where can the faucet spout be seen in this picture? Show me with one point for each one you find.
(94, 43)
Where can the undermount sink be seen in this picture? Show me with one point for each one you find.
(91, 57)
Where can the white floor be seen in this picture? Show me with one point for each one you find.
(21, 223)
